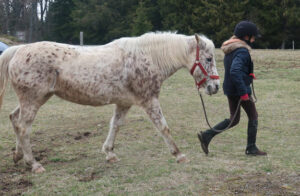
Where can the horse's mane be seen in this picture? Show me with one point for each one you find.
(167, 49)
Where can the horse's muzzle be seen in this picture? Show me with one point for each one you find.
(210, 89)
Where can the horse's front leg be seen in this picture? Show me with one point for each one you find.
(154, 112)
(116, 121)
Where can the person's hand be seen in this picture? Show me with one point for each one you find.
(245, 97)
(252, 75)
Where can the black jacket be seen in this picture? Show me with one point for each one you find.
(238, 65)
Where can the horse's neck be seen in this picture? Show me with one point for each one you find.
(166, 73)
(170, 63)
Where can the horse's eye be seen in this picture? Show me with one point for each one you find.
(208, 59)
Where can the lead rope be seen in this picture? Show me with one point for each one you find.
(235, 113)
(254, 101)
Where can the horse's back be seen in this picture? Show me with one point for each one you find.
(85, 75)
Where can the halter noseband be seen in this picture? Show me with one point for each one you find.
(197, 63)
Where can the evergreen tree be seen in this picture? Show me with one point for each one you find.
(102, 21)
(141, 23)
(60, 22)
(105, 20)
(280, 22)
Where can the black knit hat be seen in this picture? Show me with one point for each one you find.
(246, 28)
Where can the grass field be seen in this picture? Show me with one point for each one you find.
(67, 139)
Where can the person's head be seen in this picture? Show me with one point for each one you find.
(246, 31)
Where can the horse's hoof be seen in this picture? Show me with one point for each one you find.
(112, 158)
(17, 157)
(182, 159)
(38, 169)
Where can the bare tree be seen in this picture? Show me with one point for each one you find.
(33, 22)
(24, 15)
(6, 5)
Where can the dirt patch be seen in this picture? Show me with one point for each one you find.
(41, 155)
(83, 135)
(259, 184)
(87, 178)
(10, 185)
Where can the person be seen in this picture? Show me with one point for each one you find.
(238, 77)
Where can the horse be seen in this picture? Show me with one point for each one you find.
(125, 72)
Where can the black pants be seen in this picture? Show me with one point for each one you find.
(248, 106)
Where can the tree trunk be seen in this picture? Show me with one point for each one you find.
(7, 15)
(33, 22)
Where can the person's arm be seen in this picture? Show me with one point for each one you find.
(240, 60)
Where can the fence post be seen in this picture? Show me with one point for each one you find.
(81, 38)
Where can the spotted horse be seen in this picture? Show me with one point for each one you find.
(125, 72)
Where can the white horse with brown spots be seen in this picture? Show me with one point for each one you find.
(124, 72)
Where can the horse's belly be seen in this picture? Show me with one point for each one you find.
(84, 99)
(92, 93)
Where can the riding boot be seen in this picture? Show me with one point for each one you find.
(251, 148)
(206, 137)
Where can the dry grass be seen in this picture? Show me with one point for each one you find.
(67, 139)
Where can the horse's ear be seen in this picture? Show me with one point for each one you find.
(197, 38)
(200, 41)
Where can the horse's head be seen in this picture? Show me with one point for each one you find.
(202, 64)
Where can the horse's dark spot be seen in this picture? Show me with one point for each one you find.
(49, 61)
(26, 73)
(154, 77)
(134, 58)
(138, 71)
(27, 60)
(23, 89)
(28, 54)
(57, 49)
(54, 54)
(49, 56)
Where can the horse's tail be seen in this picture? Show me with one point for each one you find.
(5, 58)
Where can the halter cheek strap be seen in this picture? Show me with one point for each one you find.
(197, 63)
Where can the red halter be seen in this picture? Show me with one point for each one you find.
(197, 63)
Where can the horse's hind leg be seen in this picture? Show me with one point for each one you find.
(14, 116)
(23, 128)
(154, 112)
(22, 118)
(116, 121)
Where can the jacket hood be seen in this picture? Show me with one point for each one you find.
(234, 43)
